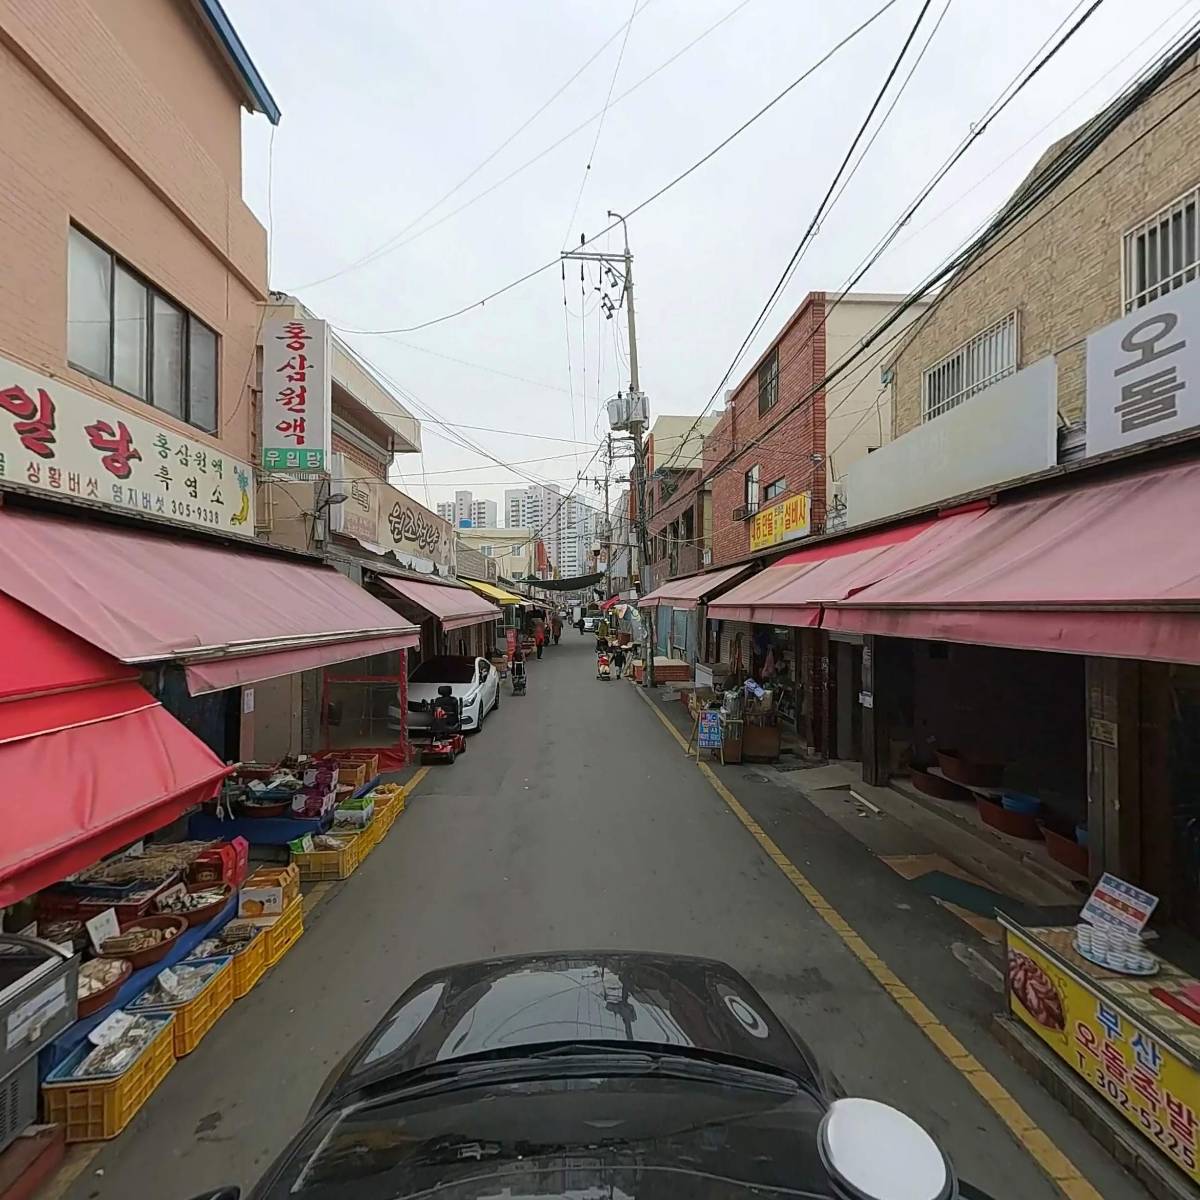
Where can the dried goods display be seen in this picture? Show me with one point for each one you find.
(119, 1054)
(99, 974)
(137, 938)
(179, 986)
(187, 902)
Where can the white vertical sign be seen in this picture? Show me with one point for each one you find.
(296, 395)
(1143, 373)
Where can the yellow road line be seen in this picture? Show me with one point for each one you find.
(411, 785)
(1050, 1159)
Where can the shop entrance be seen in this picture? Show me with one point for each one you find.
(847, 671)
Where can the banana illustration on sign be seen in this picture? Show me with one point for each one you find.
(243, 513)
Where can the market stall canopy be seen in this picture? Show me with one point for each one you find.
(609, 603)
(692, 589)
(454, 607)
(491, 591)
(1107, 568)
(792, 591)
(96, 760)
(230, 616)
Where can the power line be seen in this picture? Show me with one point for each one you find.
(398, 240)
(537, 112)
(508, 287)
(1006, 97)
(810, 231)
(600, 126)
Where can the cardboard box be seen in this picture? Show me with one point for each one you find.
(268, 891)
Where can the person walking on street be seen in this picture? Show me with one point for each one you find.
(580, 626)
(556, 628)
(618, 661)
(539, 638)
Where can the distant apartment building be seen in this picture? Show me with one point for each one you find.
(512, 550)
(464, 511)
(540, 508)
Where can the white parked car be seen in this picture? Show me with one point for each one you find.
(475, 682)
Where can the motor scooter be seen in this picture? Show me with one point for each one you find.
(603, 665)
(517, 674)
(446, 738)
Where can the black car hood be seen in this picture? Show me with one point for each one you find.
(535, 1001)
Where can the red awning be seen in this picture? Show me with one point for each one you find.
(793, 591)
(231, 616)
(691, 590)
(612, 600)
(92, 760)
(454, 607)
(1109, 568)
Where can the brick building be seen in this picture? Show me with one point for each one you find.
(1110, 241)
(678, 503)
(782, 435)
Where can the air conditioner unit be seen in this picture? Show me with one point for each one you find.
(744, 512)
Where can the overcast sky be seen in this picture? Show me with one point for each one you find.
(389, 104)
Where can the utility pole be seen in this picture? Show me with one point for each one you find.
(635, 431)
(608, 462)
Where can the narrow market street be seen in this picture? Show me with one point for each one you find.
(575, 821)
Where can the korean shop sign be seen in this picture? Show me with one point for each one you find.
(1138, 1071)
(781, 522)
(1143, 373)
(415, 536)
(58, 440)
(295, 395)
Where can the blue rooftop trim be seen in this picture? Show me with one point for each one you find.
(257, 95)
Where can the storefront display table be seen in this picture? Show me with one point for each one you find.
(1116, 1032)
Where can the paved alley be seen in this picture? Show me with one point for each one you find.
(576, 821)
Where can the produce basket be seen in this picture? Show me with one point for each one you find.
(319, 865)
(249, 966)
(152, 954)
(93, 1110)
(201, 916)
(284, 931)
(195, 1017)
(105, 996)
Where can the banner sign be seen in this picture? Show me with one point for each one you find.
(296, 395)
(61, 441)
(782, 522)
(418, 538)
(358, 517)
(1115, 902)
(1138, 1073)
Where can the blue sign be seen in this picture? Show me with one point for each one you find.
(710, 729)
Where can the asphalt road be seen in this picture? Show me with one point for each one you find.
(575, 821)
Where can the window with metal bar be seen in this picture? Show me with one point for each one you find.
(978, 363)
(1162, 253)
(768, 383)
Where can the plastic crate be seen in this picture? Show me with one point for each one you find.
(369, 838)
(319, 865)
(249, 966)
(94, 1110)
(198, 1015)
(284, 932)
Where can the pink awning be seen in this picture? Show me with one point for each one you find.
(691, 590)
(91, 759)
(147, 597)
(454, 607)
(1109, 568)
(793, 591)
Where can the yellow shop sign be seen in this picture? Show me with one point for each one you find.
(782, 522)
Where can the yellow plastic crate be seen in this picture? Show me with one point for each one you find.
(97, 1109)
(249, 966)
(196, 1017)
(284, 932)
(319, 865)
(370, 837)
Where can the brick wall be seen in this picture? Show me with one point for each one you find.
(790, 439)
(92, 134)
(1063, 273)
(375, 466)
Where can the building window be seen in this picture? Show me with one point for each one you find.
(775, 489)
(487, 551)
(752, 489)
(976, 364)
(1161, 253)
(768, 382)
(124, 332)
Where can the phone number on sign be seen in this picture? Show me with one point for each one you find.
(1175, 1146)
(193, 512)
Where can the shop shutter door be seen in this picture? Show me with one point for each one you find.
(729, 633)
